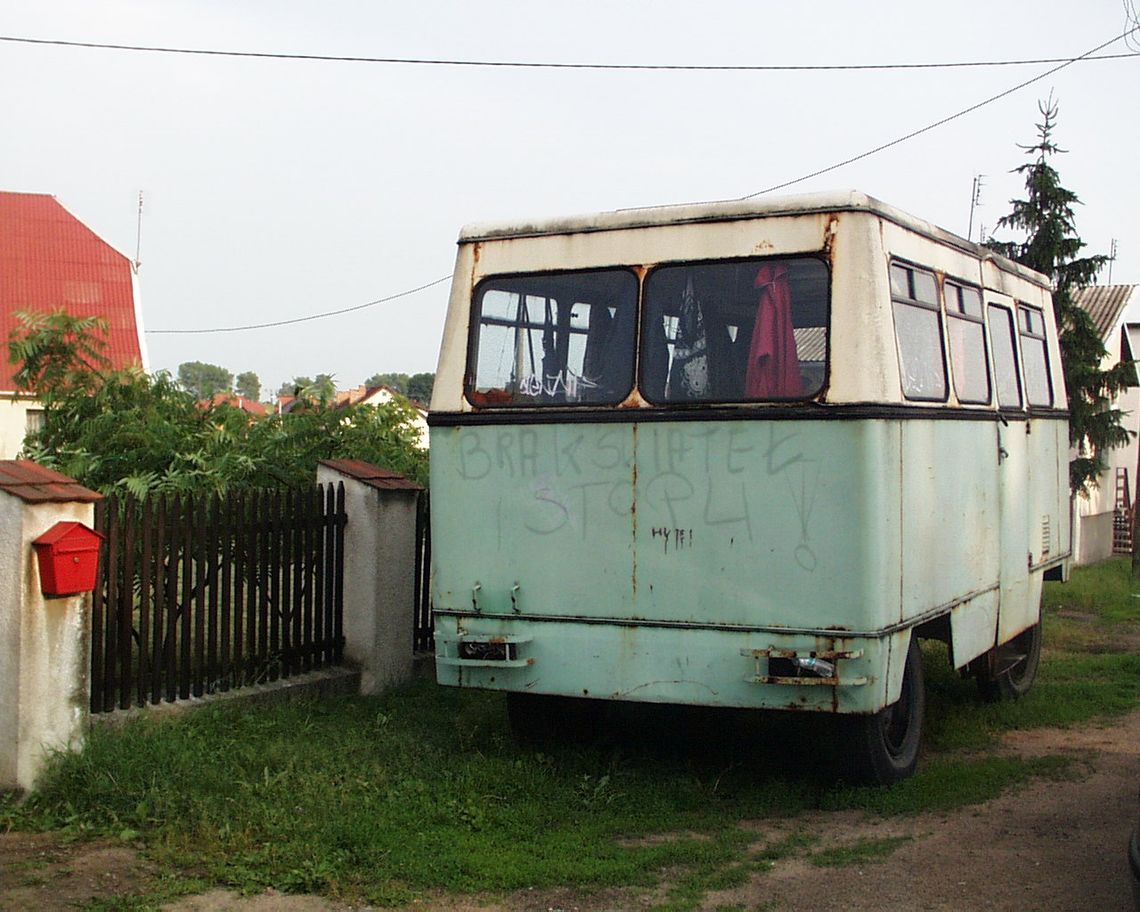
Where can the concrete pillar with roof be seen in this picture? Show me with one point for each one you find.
(379, 574)
(44, 642)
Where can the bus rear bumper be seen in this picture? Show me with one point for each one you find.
(658, 664)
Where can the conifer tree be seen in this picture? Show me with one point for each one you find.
(1052, 247)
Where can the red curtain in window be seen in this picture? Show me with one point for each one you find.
(773, 365)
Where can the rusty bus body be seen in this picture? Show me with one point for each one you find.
(744, 454)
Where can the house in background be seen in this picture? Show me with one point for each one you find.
(370, 395)
(1102, 519)
(382, 395)
(241, 403)
(49, 261)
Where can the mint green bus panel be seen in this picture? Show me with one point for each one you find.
(651, 561)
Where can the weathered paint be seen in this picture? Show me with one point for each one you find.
(669, 560)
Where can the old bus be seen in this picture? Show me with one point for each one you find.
(744, 454)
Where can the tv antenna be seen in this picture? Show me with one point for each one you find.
(975, 203)
(138, 234)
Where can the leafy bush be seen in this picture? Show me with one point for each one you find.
(143, 433)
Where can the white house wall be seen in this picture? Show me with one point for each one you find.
(14, 423)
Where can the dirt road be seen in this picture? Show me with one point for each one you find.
(1051, 846)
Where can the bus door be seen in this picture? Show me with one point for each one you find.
(1012, 455)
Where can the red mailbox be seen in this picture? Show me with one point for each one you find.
(68, 554)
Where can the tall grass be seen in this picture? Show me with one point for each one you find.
(425, 789)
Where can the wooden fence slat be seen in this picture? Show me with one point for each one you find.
(111, 625)
(241, 543)
(251, 593)
(158, 581)
(213, 520)
(98, 611)
(170, 643)
(264, 525)
(226, 518)
(277, 520)
(186, 601)
(317, 578)
(197, 601)
(125, 635)
(303, 576)
(146, 543)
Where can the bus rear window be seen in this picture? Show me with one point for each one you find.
(735, 331)
(964, 325)
(1034, 356)
(918, 330)
(553, 339)
(1005, 358)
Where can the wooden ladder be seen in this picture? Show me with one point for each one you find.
(1122, 515)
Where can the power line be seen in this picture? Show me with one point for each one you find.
(318, 316)
(1088, 55)
(945, 120)
(548, 65)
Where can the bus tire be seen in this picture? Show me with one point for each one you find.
(883, 747)
(1007, 672)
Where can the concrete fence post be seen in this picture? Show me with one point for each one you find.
(379, 570)
(45, 643)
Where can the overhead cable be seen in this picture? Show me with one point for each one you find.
(548, 65)
(317, 316)
(945, 120)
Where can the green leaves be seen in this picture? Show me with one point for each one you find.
(57, 352)
(147, 434)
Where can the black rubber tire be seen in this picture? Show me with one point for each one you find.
(538, 719)
(1008, 671)
(883, 747)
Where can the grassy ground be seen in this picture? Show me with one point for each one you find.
(425, 789)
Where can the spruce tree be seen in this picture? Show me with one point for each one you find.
(1053, 247)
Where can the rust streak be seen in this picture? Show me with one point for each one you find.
(633, 509)
(829, 237)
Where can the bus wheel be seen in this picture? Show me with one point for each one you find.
(1008, 671)
(884, 746)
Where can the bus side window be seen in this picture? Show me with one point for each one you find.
(1038, 389)
(918, 330)
(735, 331)
(966, 330)
(1005, 356)
(553, 339)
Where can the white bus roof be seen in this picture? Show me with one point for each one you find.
(735, 210)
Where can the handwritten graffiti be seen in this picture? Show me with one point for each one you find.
(737, 482)
(681, 538)
(567, 383)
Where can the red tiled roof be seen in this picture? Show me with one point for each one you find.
(249, 406)
(49, 260)
(33, 483)
(371, 475)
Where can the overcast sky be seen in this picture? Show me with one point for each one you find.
(278, 189)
